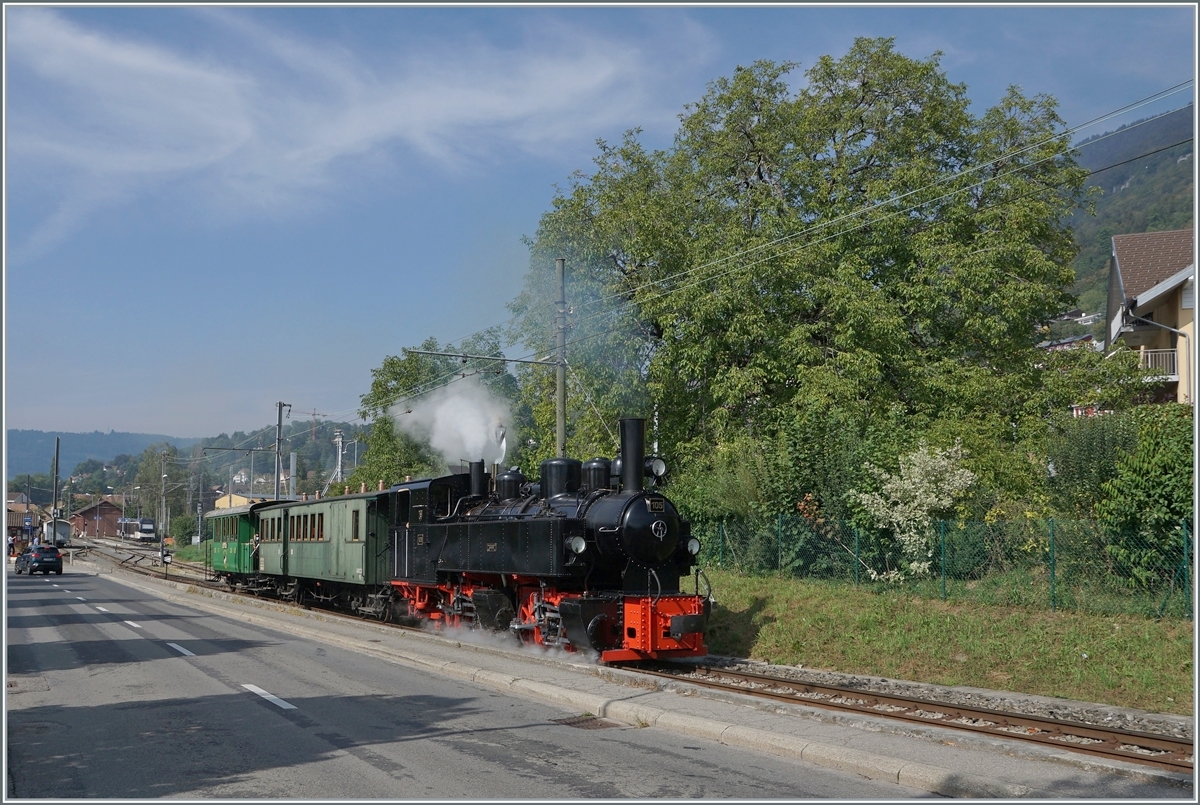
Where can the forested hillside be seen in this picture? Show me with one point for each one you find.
(1148, 188)
(100, 461)
(32, 451)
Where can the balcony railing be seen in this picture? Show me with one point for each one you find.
(1159, 361)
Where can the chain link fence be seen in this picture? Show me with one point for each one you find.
(1062, 565)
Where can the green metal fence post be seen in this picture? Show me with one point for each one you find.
(1052, 602)
(942, 528)
(779, 541)
(1187, 568)
(1184, 567)
(855, 556)
(721, 549)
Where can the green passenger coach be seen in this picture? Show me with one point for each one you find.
(233, 539)
(327, 549)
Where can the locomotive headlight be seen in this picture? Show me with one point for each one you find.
(577, 544)
(693, 546)
(656, 466)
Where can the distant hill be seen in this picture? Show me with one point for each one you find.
(31, 451)
(1144, 175)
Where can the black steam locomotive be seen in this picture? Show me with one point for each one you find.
(586, 558)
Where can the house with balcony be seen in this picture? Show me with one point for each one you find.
(1151, 307)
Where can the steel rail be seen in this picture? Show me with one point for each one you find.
(1163, 751)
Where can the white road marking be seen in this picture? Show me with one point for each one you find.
(55, 585)
(102, 609)
(134, 625)
(272, 699)
(181, 649)
(81, 598)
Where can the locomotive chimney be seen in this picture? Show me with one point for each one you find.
(478, 480)
(633, 454)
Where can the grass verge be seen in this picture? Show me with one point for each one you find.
(1121, 660)
(189, 553)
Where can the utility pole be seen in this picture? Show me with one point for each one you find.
(162, 500)
(54, 508)
(279, 442)
(560, 334)
(337, 440)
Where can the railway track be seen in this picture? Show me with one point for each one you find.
(1162, 751)
(1159, 750)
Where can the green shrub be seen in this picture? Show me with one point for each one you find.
(1150, 496)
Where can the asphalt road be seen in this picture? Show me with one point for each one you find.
(116, 693)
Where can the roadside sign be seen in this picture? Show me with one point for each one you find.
(28, 522)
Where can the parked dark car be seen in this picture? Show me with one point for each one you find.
(43, 558)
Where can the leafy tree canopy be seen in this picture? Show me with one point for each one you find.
(863, 244)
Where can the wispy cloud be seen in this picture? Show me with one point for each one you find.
(105, 117)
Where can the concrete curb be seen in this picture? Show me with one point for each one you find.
(625, 709)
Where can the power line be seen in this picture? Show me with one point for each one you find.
(431, 385)
(413, 393)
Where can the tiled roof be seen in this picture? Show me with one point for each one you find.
(1147, 259)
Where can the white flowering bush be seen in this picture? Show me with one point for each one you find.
(928, 484)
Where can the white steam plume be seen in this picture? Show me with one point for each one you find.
(463, 421)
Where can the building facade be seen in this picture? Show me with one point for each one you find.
(1151, 307)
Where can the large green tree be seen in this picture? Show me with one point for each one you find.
(864, 245)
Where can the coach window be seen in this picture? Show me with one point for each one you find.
(321, 526)
(354, 525)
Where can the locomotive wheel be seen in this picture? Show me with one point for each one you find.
(527, 616)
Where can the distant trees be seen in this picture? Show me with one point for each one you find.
(38, 486)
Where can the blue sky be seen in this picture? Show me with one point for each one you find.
(209, 209)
